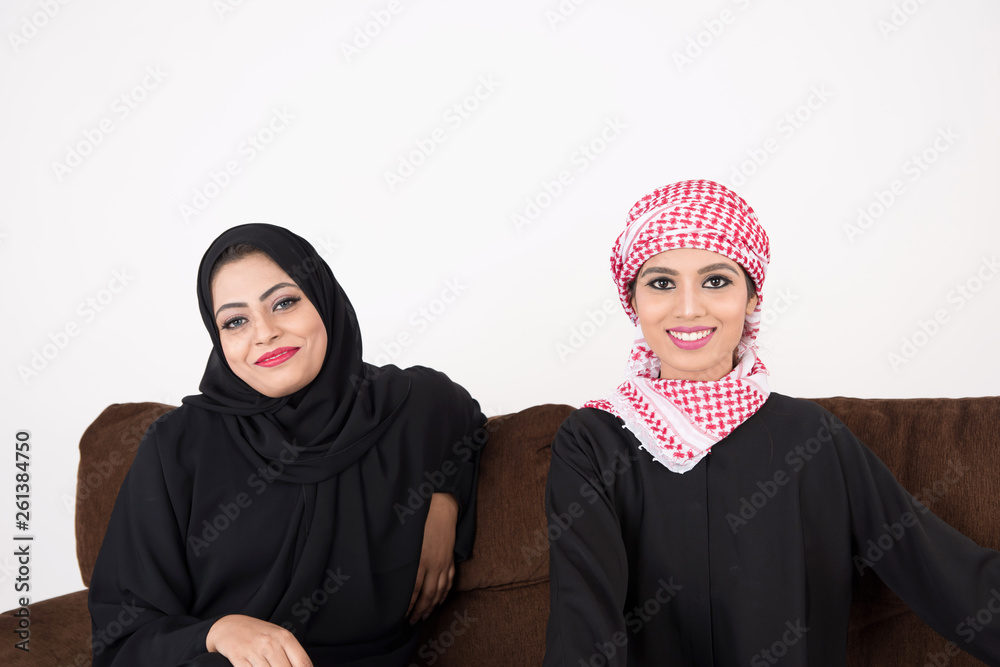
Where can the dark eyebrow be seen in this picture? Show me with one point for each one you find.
(672, 272)
(268, 292)
(716, 267)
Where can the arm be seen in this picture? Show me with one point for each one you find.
(436, 571)
(943, 576)
(141, 593)
(588, 567)
(459, 432)
(140, 590)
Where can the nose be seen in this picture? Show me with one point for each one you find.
(266, 330)
(689, 303)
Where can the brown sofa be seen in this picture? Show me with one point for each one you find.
(498, 611)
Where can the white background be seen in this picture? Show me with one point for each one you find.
(526, 323)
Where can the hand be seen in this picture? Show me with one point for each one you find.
(250, 642)
(437, 557)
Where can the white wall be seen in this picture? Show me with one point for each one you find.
(882, 94)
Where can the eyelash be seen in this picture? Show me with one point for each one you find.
(725, 282)
(230, 323)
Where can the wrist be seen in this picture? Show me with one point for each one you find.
(445, 502)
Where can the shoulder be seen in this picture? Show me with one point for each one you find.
(797, 413)
(178, 437)
(423, 377)
(806, 430)
(435, 390)
(592, 432)
(586, 420)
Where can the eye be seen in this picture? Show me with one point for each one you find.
(660, 283)
(287, 302)
(233, 323)
(717, 282)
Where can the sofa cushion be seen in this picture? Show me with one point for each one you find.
(511, 541)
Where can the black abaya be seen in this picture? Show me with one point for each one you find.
(748, 558)
(305, 510)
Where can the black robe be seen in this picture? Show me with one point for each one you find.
(305, 510)
(748, 558)
(197, 530)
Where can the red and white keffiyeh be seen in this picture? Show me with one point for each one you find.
(678, 421)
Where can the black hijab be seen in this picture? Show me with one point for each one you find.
(312, 435)
(325, 426)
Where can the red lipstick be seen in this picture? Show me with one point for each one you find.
(276, 356)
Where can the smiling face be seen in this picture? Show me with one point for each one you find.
(691, 305)
(272, 336)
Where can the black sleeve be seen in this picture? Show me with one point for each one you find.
(140, 590)
(588, 564)
(948, 580)
(461, 431)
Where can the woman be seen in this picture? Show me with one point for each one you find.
(658, 562)
(284, 515)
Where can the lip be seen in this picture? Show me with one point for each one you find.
(278, 356)
(691, 344)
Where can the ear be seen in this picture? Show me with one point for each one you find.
(631, 302)
(751, 304)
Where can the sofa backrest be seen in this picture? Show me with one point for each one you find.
(946, 452)
(107, 449)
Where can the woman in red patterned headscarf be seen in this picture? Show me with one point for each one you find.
(663, 558)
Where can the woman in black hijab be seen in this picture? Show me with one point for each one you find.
(305, 503)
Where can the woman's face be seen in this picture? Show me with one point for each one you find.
(272, 335)
(691, 305)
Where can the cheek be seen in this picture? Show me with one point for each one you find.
(234, 349)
